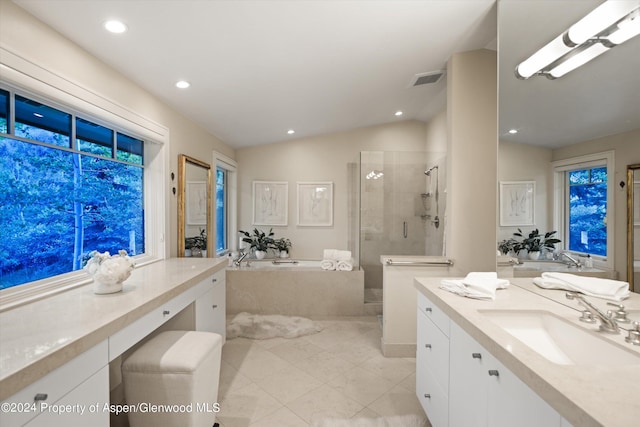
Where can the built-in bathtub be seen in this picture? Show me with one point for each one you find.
(536, 268)
(295, 288)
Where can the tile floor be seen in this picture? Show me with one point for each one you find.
(339, 372)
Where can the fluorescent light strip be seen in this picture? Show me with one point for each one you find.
(601, 18)
(578, 60)
(545, 56)
(626, 29)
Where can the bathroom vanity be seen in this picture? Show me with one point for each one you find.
(55, 352)
(484, 363)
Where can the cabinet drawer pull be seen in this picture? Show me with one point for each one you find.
(214, 280)
(40, 397)
(428, 309)
(494, 373)
(427, 396)
(165, 312)
(427, 346)
(476, 355)
(214, 306)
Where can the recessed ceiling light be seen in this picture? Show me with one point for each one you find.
(291, 131)
(398, 113)
(116, 27)
(513, 131)
(38, 115)
(182, 84)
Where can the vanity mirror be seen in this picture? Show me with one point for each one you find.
(594, 108)
(633, 225)
(194, 207)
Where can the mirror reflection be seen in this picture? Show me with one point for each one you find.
(194, 207)
(633, 225)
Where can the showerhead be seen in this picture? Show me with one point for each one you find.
(428, 171)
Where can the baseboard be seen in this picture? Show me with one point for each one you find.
(398, 350)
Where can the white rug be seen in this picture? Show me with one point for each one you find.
(395, 421)
(260, 327)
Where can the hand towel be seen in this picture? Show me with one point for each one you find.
(613, 290)
(478, 285)
(343, 255)
(345, 265)
(330, 254)
(328, 264)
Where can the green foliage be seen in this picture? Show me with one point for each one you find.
(282, 244)
(197, 242)
(534, 241)
(259, 240)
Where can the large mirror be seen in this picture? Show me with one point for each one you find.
(194, 207)
(633, 224)
(561, 118)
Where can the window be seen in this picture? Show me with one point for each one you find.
(62, 200)
(583, 204)
(225, 209)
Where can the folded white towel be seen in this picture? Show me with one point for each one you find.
(614, 290)
(336, 254)
(345, 265)
(479, 285)
(328, 264)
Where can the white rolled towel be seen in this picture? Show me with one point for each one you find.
(330, 254)
(343, 256)
(614, 290)
(328, 264)
(345, 265)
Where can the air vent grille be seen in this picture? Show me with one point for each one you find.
(427, 78)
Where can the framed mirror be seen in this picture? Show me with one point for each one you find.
(194, 207)
(633, 225)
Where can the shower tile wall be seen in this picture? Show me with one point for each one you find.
(387, 203)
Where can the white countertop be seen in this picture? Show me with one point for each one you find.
(40, 336)
(584, 395)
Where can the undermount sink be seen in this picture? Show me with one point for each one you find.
(560, 341)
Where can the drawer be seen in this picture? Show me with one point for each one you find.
(55, 384)
(429, 309)
(126, 337)
(432, 351)
(432, 397)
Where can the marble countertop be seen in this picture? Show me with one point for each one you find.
(40, 336)
(584, 395)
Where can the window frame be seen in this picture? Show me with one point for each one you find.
(29, 80)
(231, 168)
(561, 201)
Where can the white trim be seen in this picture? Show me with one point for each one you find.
(559, 202)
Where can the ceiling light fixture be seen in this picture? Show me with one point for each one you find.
(611, 23)
(291, 131)
(398, 113)
(513, 131)
(116, 27)
(183, 84)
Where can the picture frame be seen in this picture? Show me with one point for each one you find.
(517, 203)
(196, 203)
(270, 202)
(315, 204)
(636, 204)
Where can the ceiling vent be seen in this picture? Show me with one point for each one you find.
(427, 78)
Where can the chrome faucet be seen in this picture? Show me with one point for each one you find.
(607, 323)
(573, 261)
(242, 256)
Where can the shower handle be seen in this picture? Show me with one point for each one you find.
(405, 229)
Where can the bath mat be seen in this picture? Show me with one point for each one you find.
(395, 421)
(260, 327)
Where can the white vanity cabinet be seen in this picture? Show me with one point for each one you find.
(432, 362)
(211, 306)
(483, 392)
(79, 383)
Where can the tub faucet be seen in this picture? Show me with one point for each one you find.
(607, 323)
(571, 259)
(238, 261)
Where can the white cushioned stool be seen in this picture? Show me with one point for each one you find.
(177, 369)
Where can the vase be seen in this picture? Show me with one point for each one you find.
(534, 255)
(260, 254)
(284, 254)
(102, 288)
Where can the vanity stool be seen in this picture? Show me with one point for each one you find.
(177, 369)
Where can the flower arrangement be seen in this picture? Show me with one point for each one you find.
(109, 271)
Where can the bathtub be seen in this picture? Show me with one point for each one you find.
(294, 288)
(536, 268)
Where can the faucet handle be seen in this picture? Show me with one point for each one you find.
(620, 315)
(634, 334)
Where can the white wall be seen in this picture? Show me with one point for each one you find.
(321, 158)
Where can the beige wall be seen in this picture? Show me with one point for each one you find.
(472, 158)
(627, 151)
(321, 158)
(27, 37)
(521, 162)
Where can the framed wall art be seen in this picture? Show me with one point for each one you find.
(315, 204)
(270, 202)
(517, 200)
